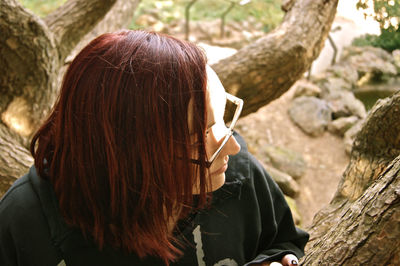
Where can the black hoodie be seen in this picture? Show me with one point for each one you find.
(248, 222)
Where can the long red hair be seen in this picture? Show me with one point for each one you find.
(117, 145)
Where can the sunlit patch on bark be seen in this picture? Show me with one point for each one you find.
(15, 117)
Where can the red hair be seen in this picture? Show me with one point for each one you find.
(117, 147)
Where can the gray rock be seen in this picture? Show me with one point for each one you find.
(350, 135)
(396, 58)
(286, 160)
(331, 83)
(369, 60)
(342, 124)
(344, 104)
(311, 114)
(286, 183)
(306, 88)
(345, 72)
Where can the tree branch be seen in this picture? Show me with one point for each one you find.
(372, 208)
(14, 160)
(265, 69)
(73, 20)
(375, 146)
(28, 63)
(119, 17)
(368, 229)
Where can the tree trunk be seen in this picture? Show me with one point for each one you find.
(33, 51)
(361, 224)
(28, 66)
(119, 17)
(265, 69)
(367, 231)
(14, 160)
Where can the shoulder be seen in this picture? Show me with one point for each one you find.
(24, 231)
(19, 195)
(20, 203)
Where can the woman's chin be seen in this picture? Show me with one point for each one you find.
(218, 180)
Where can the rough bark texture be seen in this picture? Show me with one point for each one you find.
(32, 54)
(14, 160)
(265, 69)
(28, 65)
(368, 230)
(76, 17)
(375, 146)
(71, 21)
(119, 17)
(362, 223)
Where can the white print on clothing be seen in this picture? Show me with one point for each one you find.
(61, 263)
(199, 246)
(200, 252)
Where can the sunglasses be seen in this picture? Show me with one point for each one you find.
(223, 131)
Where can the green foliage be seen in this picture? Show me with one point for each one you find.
(42, 7)
(387, 40)
(267, 12)
(387, 14)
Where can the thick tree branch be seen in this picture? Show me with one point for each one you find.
(375, 146)
(73, 20)
(265, 69)
(28, 63)
(368, 229)
(368, 196)
(14, 160)
(119, 17)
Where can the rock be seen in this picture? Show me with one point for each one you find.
(368, 59)
(331, 83)
(286, 160)
(286, 183)
(344, 71)
(311, 114)
(306, 88)
(350, 136)
(396, 58)
(344, 104)
(295, 212)
(342, 124)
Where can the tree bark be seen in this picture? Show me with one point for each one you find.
(361, 224)
(71, 21)
(28, 66)
(119, 17)
(367, 231)
(33, 53)
(265, 69)
(14, 160)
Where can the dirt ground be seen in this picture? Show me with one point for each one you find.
(325, 156)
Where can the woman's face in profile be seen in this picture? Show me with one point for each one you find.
(216, 102)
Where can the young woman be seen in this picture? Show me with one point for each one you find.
(131, 168)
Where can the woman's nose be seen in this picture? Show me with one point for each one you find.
(232, 147)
